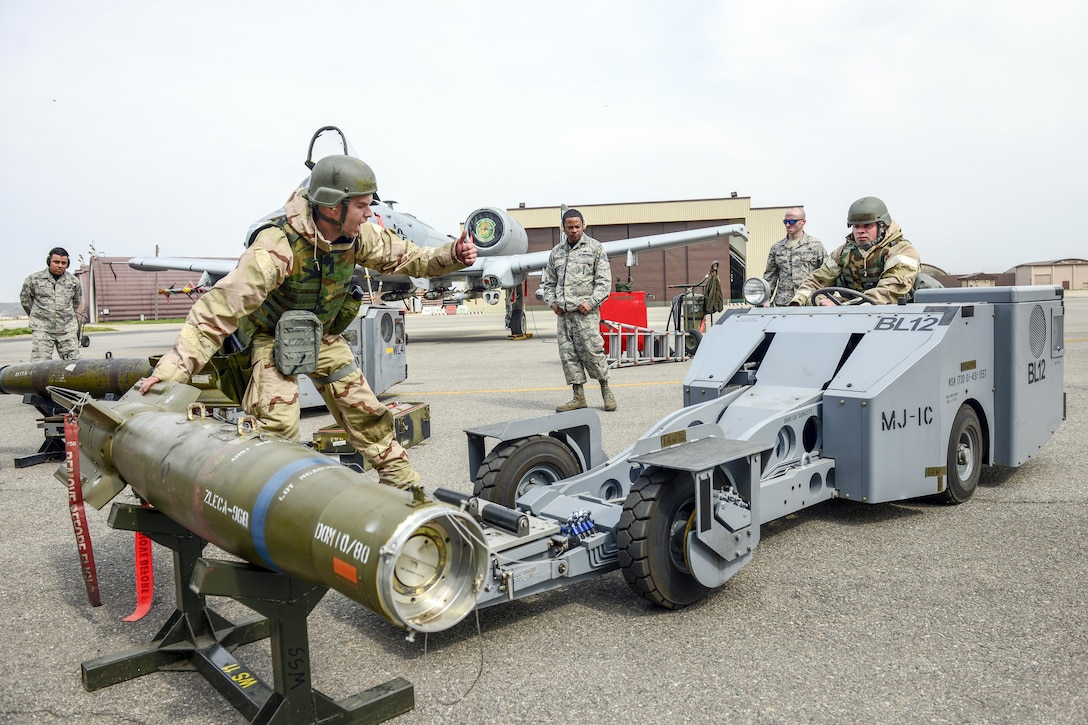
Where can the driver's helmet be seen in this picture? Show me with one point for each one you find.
(868, 210)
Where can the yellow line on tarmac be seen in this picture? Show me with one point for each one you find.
(564, 387)
(535, 390)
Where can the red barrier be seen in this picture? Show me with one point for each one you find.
(628, 308)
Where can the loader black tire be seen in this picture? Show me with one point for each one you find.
(513, 467)
(964, 460)
(651, 539)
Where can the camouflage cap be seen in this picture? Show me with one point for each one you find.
(338, 177)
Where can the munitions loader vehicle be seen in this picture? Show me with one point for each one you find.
(783, 408)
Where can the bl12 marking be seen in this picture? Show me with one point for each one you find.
(1036, 371)
(902, 324)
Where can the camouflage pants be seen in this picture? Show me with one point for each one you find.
(581, 347)
(42, 344)
(273, 399)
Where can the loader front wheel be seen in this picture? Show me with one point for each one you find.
(651, 538)
(513, 467)
(964, 456)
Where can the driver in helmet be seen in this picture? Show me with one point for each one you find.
(875, 259)
(304, 260)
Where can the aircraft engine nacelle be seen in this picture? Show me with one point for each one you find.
(496, 233)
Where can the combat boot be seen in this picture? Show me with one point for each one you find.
(578, 401)
(609, 398)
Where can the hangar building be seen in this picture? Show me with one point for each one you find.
(661, 274)
(1071, 274)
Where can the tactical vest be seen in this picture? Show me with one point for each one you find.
(857, 273)
(318, 282)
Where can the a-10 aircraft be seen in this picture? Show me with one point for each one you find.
(502, 266)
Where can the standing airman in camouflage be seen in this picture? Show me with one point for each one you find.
(793, 258)
(53, 300)
(303, 261)
(575, 283)
(875, 259)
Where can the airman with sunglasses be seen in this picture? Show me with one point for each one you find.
(792, 258)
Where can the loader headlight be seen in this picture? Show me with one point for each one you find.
(756, 291)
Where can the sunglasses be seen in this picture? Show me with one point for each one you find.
(791, 222)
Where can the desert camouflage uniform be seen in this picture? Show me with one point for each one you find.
(790, 263)
(574, 275)
(885, 271)
(52, 305)
(243, 298)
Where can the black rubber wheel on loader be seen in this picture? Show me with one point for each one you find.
(513, 467)
(964, 456)
(651, 539)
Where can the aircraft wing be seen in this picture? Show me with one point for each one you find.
(507, 271)
(211, 270)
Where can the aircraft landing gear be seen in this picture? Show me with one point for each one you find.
(515, 312)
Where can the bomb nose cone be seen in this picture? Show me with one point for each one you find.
(436, 563)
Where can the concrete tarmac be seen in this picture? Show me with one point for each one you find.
(848, 613)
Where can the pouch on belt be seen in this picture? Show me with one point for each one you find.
(298, 342)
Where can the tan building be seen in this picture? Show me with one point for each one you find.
(1071, 274)
(662, 274)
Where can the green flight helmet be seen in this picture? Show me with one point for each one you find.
(335, 178)
(868, 210)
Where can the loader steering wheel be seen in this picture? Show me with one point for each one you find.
(856, 298)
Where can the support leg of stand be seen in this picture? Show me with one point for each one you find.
(196, 638)
(191, 620)
(287, 603)
(52, 449)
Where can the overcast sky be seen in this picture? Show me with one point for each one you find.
(128, 125)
